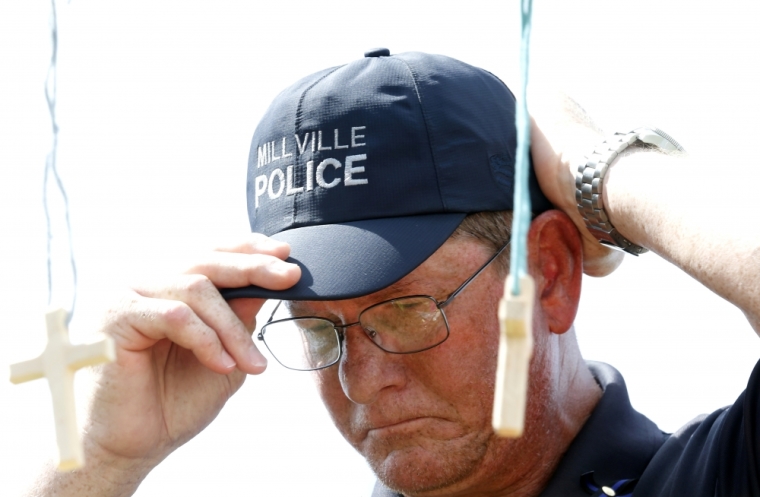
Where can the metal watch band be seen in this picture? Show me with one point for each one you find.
(589, 183)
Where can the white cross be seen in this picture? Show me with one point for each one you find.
(58, 363)
(515, 351)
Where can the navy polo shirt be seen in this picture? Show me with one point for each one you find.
(621, 452)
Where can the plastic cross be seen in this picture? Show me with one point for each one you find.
(515, 351)
(58, 363)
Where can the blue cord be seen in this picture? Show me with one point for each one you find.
(51, 170)
(521, 207)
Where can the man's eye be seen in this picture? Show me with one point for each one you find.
(313, 326)
(322, 328)
(406, 305)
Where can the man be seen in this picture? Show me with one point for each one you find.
(383, 190)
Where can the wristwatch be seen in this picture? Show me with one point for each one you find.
(589, 182)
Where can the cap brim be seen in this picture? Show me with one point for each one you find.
(348, 260)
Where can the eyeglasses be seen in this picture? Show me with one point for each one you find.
(403, 325)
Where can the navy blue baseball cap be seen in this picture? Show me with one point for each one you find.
(366, 169)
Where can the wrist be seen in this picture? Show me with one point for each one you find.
(632, 197)
(103, 475)
(592, 178)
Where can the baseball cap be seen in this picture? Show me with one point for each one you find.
(366, 169)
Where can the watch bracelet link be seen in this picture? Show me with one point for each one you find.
(589, 183)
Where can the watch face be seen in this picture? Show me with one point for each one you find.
(659, 138)
(625, 246)
(613, 246)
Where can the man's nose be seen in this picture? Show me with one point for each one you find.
(366, 370)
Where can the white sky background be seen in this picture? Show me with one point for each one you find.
(157, 105)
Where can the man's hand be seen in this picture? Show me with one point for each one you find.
(182, 351)
(672, 216)
(560, 133)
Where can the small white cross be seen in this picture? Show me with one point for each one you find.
(58, 363)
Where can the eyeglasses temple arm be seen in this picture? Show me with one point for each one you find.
(469, 280)
(271, 317)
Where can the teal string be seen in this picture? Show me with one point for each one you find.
(521, 208)
(52, 170)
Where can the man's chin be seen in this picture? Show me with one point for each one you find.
(418, 470)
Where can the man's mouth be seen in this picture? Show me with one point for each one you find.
(431, 426)
(399, 424)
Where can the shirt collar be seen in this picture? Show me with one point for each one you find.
(616, 443)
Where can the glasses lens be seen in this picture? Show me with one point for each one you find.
(303, 343)
(409, 324)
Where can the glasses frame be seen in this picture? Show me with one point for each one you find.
(340, 328)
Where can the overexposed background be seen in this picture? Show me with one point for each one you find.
(157, 102)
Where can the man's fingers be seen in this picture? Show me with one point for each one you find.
(234, 270)
(190, 311)
(246, 310)
(149, 320)
(256, 243)
(199, 294)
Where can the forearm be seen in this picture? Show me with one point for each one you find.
(700, 218)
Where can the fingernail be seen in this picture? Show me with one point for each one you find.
(227, 361)
(275, 243)
(281, 267)
(257, 359)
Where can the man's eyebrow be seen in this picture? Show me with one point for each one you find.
(293, 306)
(399, 286)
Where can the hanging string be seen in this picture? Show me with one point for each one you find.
(51, 170)
(521, 208)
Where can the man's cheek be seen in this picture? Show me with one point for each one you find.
(340, 408)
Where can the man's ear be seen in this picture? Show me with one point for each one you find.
(555, 260)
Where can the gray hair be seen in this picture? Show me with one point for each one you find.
(492, 229)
